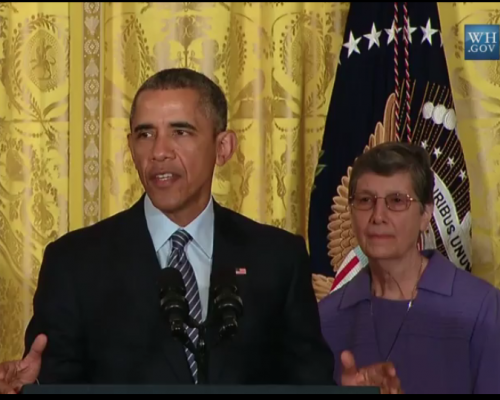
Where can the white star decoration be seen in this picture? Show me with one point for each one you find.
(463, 175)
(373, 37)
(391, 33)
(428, 32)
(451, 162)
(424, 144)
(437, 152)
(352, 45)
(410, 30)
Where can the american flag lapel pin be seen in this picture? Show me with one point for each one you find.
(241, 271)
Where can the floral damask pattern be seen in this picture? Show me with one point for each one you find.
(34, 136)
(475, 87)
(91, 110)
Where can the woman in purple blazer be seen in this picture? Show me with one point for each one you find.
(438, 325)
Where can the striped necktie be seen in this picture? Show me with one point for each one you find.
(179, 261)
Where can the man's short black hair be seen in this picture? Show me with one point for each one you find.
(212, 97)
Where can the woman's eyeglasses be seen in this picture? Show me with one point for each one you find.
(394, 202)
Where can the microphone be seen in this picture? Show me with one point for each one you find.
(228, 305)
(173, 301)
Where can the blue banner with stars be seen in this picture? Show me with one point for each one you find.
(387, 73)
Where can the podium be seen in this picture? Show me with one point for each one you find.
(194, 389)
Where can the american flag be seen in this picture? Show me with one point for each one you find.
(392, 63)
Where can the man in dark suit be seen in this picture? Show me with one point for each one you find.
(97, 316)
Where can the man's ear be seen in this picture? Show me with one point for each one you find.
(226, 146)
(131, 146)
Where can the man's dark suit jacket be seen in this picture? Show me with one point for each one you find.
(98, 302)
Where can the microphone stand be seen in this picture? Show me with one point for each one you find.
(228, 328)
(226, 331)
(201, 356)
(200, 351)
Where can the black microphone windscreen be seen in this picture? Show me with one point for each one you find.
(228, 305)
(171, 281)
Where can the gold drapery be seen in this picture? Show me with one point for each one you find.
(475, 87)
(69, 72)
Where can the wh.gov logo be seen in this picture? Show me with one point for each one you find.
(481, 42)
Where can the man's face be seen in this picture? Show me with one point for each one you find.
(175, 150)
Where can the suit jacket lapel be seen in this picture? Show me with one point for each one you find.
(228, 242)
(141, 262)
(228, 252)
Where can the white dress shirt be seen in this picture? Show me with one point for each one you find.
(199, 250)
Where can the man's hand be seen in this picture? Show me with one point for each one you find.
(381, 375)
(15, 374)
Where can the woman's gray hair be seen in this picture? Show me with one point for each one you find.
(390, 158)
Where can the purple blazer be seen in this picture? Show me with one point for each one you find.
(448, 341)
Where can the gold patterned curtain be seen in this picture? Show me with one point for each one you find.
(68, 75)
(475, 87)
